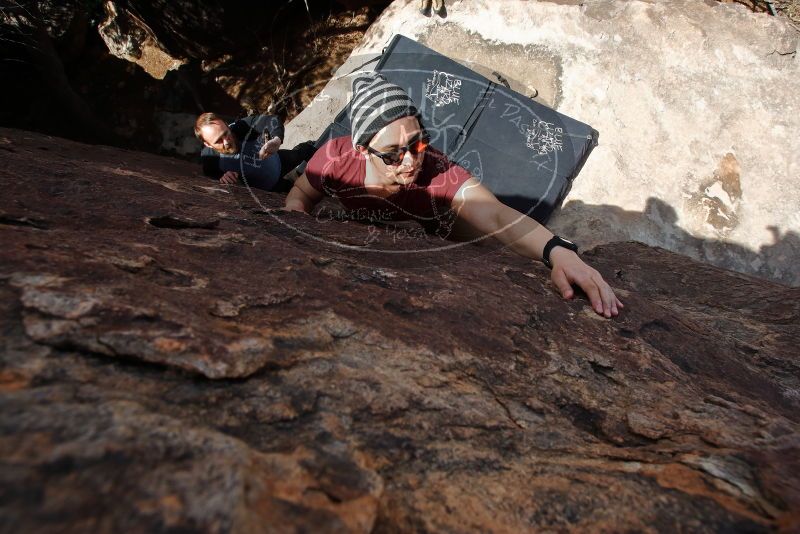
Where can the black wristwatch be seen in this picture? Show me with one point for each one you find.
(554, 242)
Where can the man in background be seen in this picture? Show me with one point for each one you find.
(248, 151)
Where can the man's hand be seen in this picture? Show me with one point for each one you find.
(230, 177)
(569, 269)
(269, 148)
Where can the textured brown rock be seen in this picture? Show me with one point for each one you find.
(173, 357)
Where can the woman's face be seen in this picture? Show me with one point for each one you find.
(394, 137)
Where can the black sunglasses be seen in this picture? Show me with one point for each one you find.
(416, 146)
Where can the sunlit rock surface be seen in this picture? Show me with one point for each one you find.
(173, 357)
(696, 104)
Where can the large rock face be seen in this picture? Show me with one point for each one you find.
(696, 103)
(175, 357)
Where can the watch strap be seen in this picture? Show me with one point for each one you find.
(556, 241)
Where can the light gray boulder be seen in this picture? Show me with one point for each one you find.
(697, 105)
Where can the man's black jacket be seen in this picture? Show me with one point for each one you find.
(244, 129)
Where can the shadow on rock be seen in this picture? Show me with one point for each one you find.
(657, 225)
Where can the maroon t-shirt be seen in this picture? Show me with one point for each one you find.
(338, 170)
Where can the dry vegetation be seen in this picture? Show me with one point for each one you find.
(290, 71)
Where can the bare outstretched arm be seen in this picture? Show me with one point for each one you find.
(479, 208)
